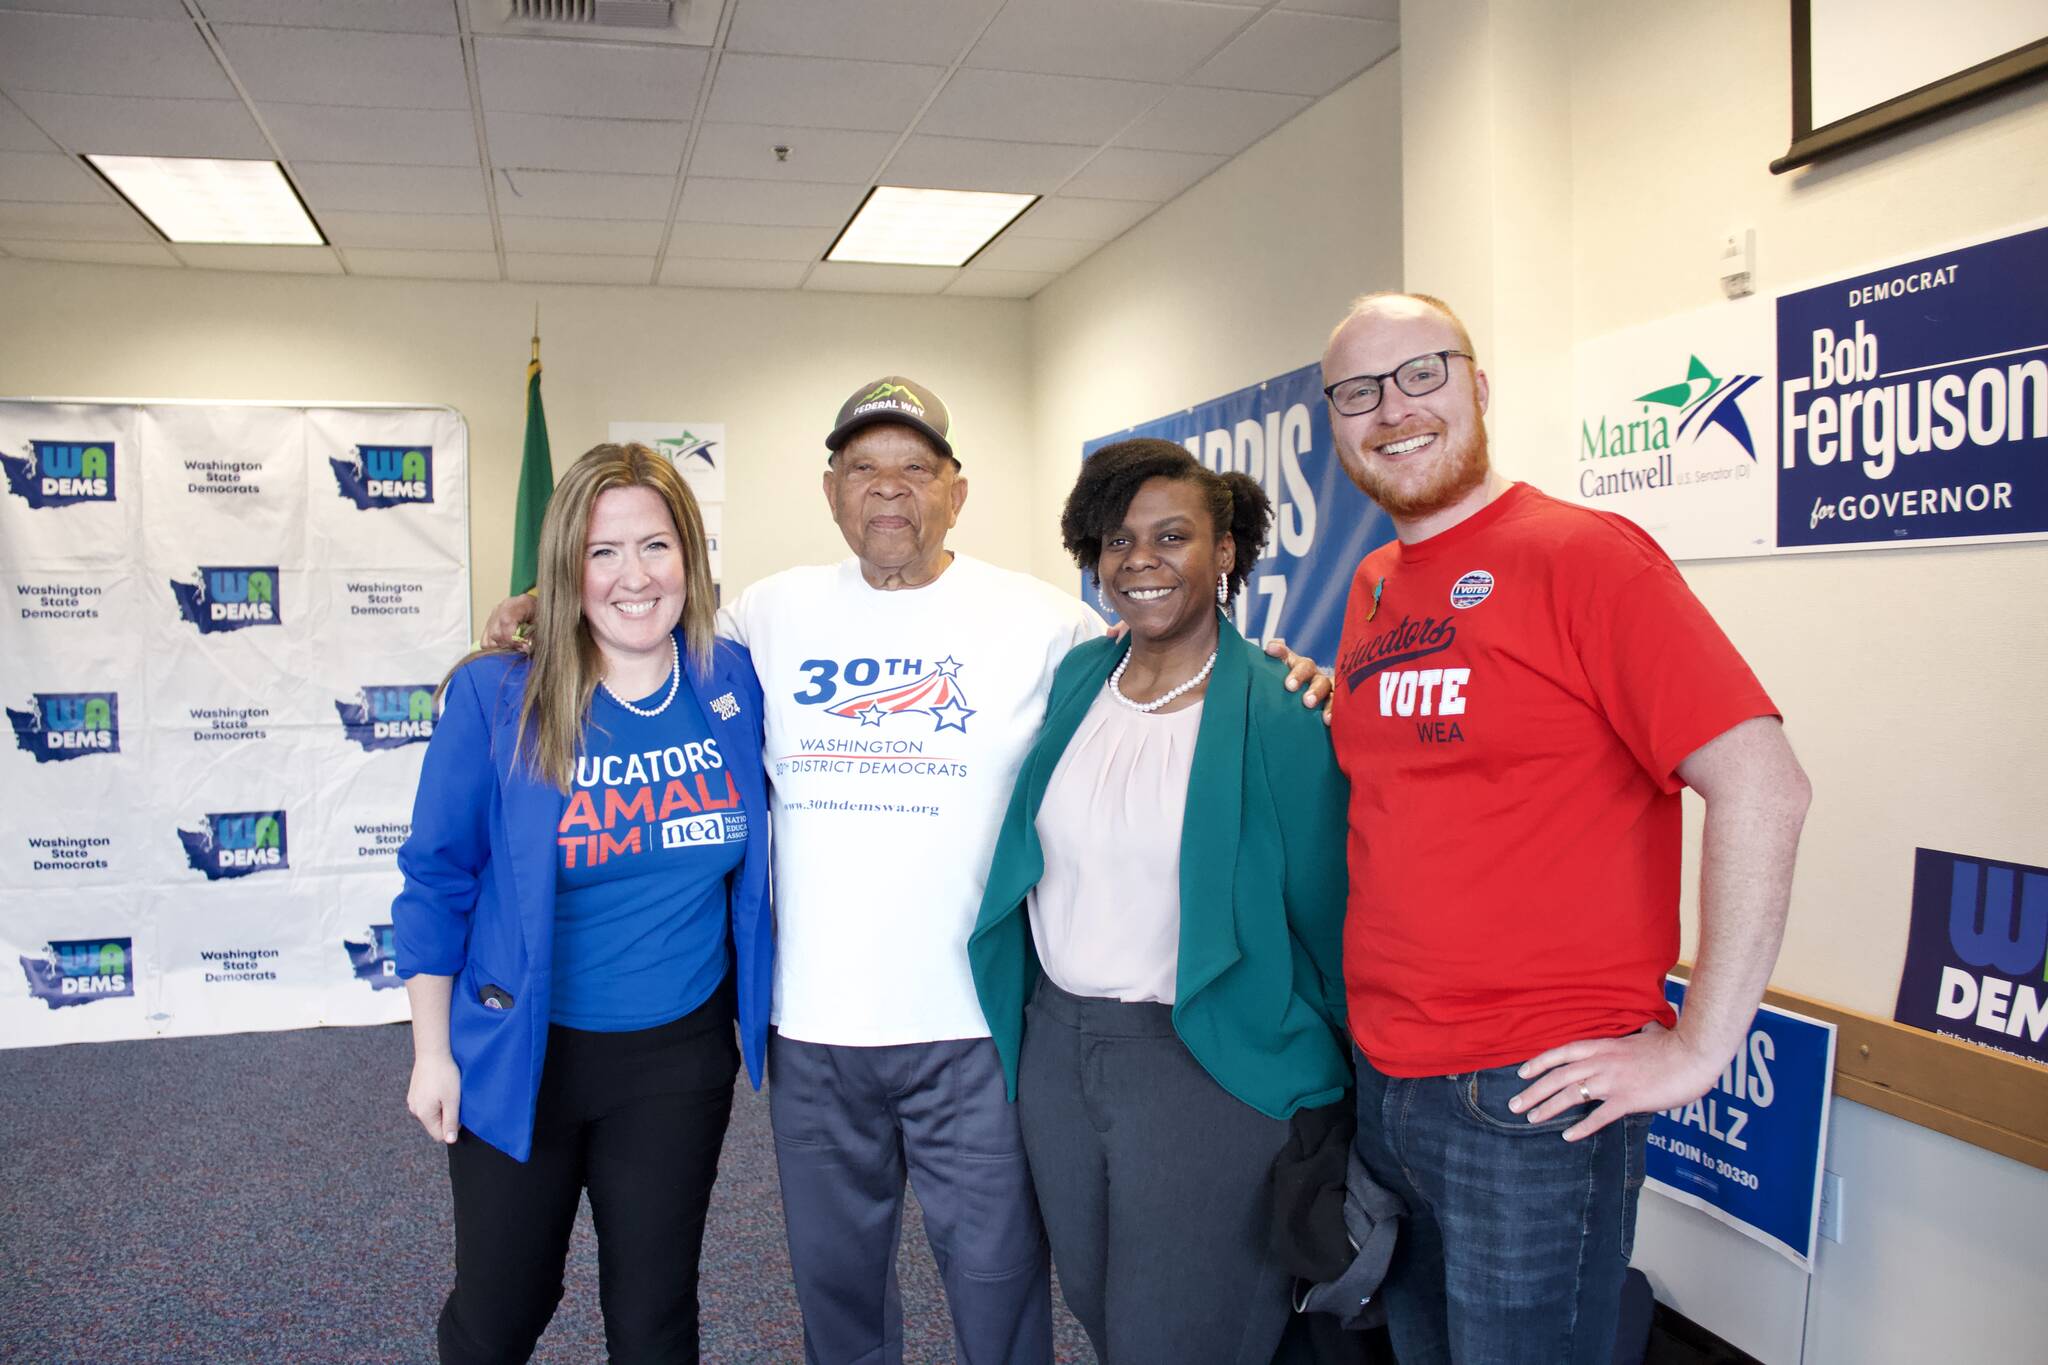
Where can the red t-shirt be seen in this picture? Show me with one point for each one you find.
(1512, 719)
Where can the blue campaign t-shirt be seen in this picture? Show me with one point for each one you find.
(653, 824)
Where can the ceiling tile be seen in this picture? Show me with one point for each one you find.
(844, 277)
(594, 80)
(391, 189)
(148, 127)
(1020, 107)
(1047, 254)
(131, 9)
(1299, 54)
(1092, 220)
(999, 284)
(407, 231)
(555, 142)
(734, 274)
(574, 194)
(280, 260)
(1389, 10)
(582, 236)
(815, 92)
(1194, 119)
(773, 202)
(877, 30)
(99, 253)
(1127, 173)
(963, 163)
(331, 66)
(18, 133)
(425, 265)
(94, 56)
(73, 223)
(386, 16)
(48, 178)
(746, 151)
(580, 269)
(386, 137)
(1140, 40)
(737, 242)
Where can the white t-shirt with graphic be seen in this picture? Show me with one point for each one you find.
(896, 724)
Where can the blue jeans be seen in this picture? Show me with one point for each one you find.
(1516, 1241)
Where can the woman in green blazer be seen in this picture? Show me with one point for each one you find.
(1159, 948)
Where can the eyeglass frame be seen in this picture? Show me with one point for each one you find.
(1330, 390)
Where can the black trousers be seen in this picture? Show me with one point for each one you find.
(635, 1118)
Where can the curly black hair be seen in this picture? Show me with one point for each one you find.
(1112, 476)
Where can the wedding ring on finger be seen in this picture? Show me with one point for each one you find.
(1585, 1094)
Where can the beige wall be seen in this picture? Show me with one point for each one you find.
(1571, 168)
(1236, 281)
(773, 366)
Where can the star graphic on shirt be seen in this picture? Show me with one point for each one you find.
(872, 716)
(951, 714)
(949, 667)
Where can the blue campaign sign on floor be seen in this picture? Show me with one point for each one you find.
(1749, 1151)
(1278, 432)
(1913, 401)
(1977, 953)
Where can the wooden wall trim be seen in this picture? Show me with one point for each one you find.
(1972, 1094)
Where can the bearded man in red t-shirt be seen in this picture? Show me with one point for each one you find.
(1523, 689)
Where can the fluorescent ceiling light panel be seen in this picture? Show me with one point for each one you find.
(199, 199)
(897, 226)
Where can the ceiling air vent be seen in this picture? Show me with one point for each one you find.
(692, 23)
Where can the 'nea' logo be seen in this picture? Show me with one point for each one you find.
(237, 844)
(390, 716)
(64, 725)
(386, 476)
(80, 971)
(60, 473)
(230, 597)
(375, 960)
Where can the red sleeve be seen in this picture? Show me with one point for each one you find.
(1660, 668)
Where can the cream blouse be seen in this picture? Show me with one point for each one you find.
(1105, 916)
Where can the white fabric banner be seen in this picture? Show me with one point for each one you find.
(225, 624)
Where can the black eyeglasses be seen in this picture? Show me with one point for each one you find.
(1360, 394)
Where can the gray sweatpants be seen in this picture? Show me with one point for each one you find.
(1155, 1183)
(849, 1123)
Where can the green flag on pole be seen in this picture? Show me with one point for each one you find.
(536, 479)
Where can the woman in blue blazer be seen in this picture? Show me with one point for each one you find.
(1159, 947)
(585, 913)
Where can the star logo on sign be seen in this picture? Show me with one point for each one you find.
(948, 667)
(951, 714)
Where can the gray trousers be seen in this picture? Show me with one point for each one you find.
(850, 1123)
(1155, 1183)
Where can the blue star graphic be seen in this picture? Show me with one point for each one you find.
(951, 714)
(872, 716)
(948, 667)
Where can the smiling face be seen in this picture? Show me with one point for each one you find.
(633, 580)
(1415, 457)
(1160, 565)
(895, 497)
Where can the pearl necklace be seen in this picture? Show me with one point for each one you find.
(1118, 676)
(675, 679)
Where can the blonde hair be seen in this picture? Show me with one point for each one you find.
(1364, 303)
(566, 664)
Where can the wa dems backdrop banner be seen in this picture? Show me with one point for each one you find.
(1905, 405)
(224, 624)
(1279, 433)
(1977, 953)
(1749, 1151)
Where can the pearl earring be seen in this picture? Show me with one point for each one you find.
(1100, 598)
(1223, 590)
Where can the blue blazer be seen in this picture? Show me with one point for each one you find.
(479, 897)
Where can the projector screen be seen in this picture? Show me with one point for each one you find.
(1864, 68)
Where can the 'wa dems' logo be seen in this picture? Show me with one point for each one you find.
(237, 844)
(61, 725)
(80, 971)
(375, 960)
(388, 717)
(230, 598)
(386, 476)
(59, 473)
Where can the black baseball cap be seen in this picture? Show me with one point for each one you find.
(893, 398)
